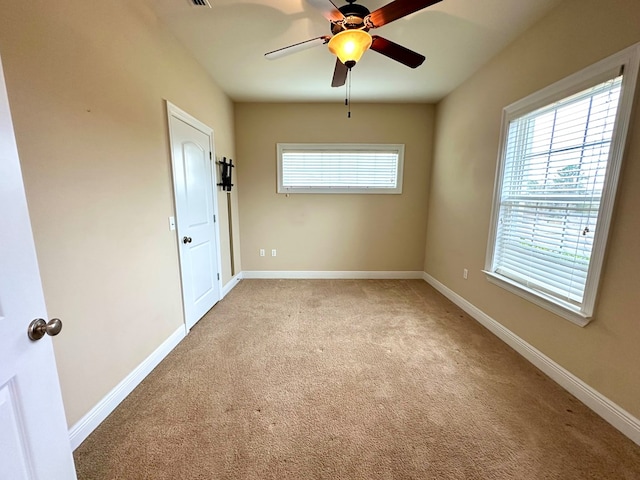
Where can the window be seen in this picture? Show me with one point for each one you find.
(561, 152)
(339, 168)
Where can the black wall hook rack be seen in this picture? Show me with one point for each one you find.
(225, 174)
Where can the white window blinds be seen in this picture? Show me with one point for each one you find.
(555, 165)
(561, 152)
(345, 168)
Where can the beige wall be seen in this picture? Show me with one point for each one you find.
(606, 353)
(332, 232)
(87, 83)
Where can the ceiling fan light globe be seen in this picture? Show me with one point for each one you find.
(350, 45)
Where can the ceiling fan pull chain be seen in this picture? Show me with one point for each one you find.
(348, 99)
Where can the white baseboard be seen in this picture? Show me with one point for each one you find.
(230, 285)
(87, 424)
(608, 410)
(332, 274)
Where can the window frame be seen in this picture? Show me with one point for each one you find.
(344, 147)
(628, 60)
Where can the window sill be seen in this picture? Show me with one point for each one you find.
(340, 190)
(564, 310)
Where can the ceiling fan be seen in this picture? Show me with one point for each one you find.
(350, 25)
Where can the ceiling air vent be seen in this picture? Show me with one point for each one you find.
(200, 3)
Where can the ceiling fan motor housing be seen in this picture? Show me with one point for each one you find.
(354, 15)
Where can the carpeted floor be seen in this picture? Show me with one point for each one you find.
(349, 379)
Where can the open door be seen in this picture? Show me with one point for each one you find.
(34, 440)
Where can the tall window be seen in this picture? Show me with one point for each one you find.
(339, 168)
(557, 175)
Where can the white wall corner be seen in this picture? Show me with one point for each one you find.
(608, 410)
(87, 424)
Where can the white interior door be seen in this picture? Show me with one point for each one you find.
(196, 213)
(34, 441)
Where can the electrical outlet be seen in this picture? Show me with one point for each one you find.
(262, 252)
(273, 252)
(465, 273)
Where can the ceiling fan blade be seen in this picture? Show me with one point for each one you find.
(397, 9)
(396, 52)
(328, 9)
(297, 47)
(339, 74)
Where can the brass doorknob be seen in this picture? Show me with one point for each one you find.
(186, 239)
(38, 328)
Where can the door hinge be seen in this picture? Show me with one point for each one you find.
(218, 276)
(210, 156)
(214, 219)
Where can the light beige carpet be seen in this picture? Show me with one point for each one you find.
(349, 379)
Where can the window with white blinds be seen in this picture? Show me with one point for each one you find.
(556, 183)
(339, 168)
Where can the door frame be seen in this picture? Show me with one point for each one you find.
(175, 112)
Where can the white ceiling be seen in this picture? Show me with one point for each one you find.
(456, 36)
